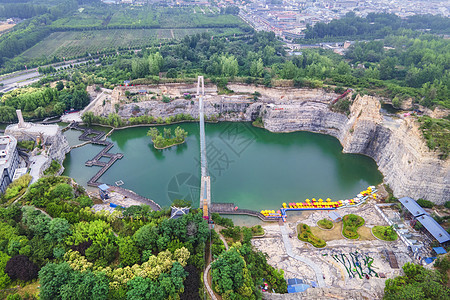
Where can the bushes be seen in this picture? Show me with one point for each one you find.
(385, 233)
(232, 232)
(305, 234)
(53, 168)
(325, 224)
(437, 134)
(225, 222)
(20, 267)
(425, 203)
(28, 145)
(351, 224)
(417, 283)
(16, 187)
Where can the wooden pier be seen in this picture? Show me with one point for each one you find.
(96, 137)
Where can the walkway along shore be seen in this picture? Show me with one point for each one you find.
(96, 137)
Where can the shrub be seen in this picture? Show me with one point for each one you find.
(351, 224)
(425, 203)
(20, 267)
(16, 187)
(325, 223)
(305, 235)
(222, 221)
(53, 168)
(386, 233)
(447, 204)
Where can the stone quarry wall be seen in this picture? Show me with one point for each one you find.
(395, 144)
(56, 144)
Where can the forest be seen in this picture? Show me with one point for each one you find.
(41, 102)
(398, 67)
(52, 234)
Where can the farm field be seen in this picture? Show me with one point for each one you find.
(75, 43)
(144, 17)
(4, 27)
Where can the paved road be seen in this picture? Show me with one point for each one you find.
(224, 241)
(35, 167)
(12, 81)
(205, 280)
(307, 261)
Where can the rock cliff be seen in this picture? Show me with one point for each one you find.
(394, 143)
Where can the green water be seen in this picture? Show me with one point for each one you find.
(250, 167)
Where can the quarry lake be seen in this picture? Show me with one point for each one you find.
(251, 167)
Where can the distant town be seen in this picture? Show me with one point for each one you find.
(288, 19)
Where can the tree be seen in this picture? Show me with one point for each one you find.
(39, 112)
(20, 267)
(257, 68)
(59, 86)
(59, 108)
(128, 252)
(85, 201)
(146, 237)
(153, 132)
(289, 70)
(7, 114)
(230, 275)
(88, 118)
(155, 62)
(144, 288)
(51, 278)
(229, 65)
(58, 230)
(180, 134)
(35, 220)
(62, 191)
(85, 285)
(172, 73)
(139, 68)
(4, 278)
(387, 68)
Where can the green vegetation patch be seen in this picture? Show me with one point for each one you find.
(437, 134)
(219, 220)
(325, 224)
(417, 283)
(16, 188)
(53, 168)
(425, 203)
(351, 224)
(305, 235)
(236, 273)
(258, 122)
(78, 43)
(28, 145)
(385, 233)
(165, 139)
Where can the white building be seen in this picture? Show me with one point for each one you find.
(9, 160)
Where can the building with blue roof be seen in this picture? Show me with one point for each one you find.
(411, 205)
(419, 214)
(433, 227)
(295, 285)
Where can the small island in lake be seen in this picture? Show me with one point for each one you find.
(165, 139)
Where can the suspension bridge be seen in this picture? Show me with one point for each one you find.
(205, 186)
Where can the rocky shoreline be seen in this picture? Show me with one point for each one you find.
(395, 144)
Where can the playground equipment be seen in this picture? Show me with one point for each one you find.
(320, 204)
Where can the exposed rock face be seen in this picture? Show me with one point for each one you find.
(396, 145)
(56, 143)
